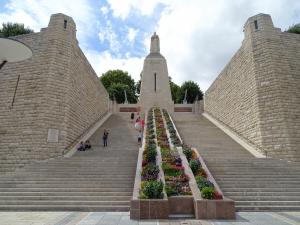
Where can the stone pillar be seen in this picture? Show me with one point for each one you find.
(155, 86)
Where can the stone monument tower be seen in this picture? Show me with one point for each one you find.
(155, 86)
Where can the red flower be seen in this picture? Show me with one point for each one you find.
(177, 167)
(218, 195)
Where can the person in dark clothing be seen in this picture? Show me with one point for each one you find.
(105, 137)
(87, 144)
(81, 146)
(132, 117)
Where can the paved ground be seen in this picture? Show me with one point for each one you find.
(122, 218)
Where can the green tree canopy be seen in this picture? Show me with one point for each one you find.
(294, 29)
(175, 89)
(115, 82)
(13, 29)
(116, 91)
(193, 91)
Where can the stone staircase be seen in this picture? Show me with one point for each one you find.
(100, 179)
(254, 183)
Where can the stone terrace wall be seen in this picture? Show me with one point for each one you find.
(258, 93)
(232, 97)
(58, 93)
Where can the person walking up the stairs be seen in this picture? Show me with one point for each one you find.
(105, 137)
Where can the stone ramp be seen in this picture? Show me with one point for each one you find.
(100, 179)
(254, 183)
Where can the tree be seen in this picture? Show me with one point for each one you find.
(115, 82)
(193, 91)
(116, 91)
(13, 29)
(294, 29)
(138, 87)
(175, 89)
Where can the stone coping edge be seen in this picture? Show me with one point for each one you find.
(86, 136)
(244, 143)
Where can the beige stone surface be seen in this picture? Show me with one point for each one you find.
(58, 89)
(155, 87)
(257, 94)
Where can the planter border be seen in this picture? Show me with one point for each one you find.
(148, 208)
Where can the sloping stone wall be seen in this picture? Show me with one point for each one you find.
(58, 96)
(258, 93)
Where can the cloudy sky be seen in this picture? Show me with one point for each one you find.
(198, 37)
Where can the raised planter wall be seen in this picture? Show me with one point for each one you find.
(147, 208)
(192, 205)
(206, 208)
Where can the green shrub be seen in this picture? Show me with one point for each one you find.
(153, 189)
(150, 172)
(208, 193)
(169, 170)
(188, 153)
(165, 153)
(171, 190)
(195, 165)
(151, 155)
(202, 182)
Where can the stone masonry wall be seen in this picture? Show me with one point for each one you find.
(57, 98)
(258, 93)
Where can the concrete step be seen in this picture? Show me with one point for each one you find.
(59, 202)
(255, 184)
(70, 189)
(71, 207)
(268, 203)
(267, 208)
(64, 198)
(66, 185)
(77, 193)
(265, 198)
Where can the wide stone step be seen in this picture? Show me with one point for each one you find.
(64, 198)
(267, 208)
(72, 207)
(258, 185)
(61, 193)
(80, 173)
(260, 194)
(263, 177)
(69, 189)
(265, 198)
(259, 189)
(67, 185)
(66, 179)
(261, 182)
(258, 179)
(268, 203)
(61, 202)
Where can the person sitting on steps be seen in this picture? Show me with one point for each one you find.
(81, 146)
(87, 144)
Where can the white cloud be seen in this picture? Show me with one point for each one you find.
(132, 34)
(104, 61)
(108, 33)
(123, 8)
(104, 10)
(36, 14)
(197, 37)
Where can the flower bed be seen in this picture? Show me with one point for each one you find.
(205, 185)
(149, 200)
(209, 200)
(177, 182)
(151, 186)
